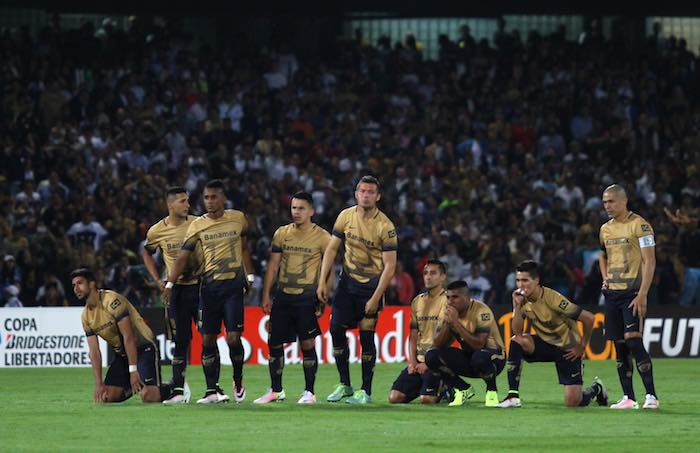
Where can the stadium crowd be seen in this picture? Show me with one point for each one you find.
(494, 153)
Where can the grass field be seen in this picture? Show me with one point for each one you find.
(51, 409)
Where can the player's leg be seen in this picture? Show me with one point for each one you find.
(153, 391)
(633, 341)
(210, 317)
(183, 308)
(448, 364)
(615, 331)
(341, 320)
(487, 364)
(405, 388)
(369, 351)
(520, 345)
(307, 328)
(430, 386)
(117, 386)
(234, 309)
(279, 334)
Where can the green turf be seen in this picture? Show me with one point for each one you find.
(50, 410)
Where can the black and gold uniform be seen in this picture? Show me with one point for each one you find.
(425, 312)
(293, 311)
(223, 276)
(102, 321)
(622, 242)
(365, 241)
(554, 317)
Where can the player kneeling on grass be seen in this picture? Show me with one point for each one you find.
(416, 379)
(136, 365)
(471, 323)
(556, 339)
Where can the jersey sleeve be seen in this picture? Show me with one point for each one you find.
(118, 308)
(565, 307)
(191, 237)
(390, 241)
(277, 241)
(340, 224)
(151, 245)
(644, 233)
(483, 321)
(244, 225)
(88, 330)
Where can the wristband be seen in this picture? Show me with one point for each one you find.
(132, 369)
(250, 278)
(169, 285)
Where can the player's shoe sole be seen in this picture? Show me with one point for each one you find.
(624, 404)
(271, 397)
(214, 398)
(510, 403)
(650, 402)
(307, 398)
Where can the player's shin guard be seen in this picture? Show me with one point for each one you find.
(276, 366)
(341, 354)
(236, 354)
(515, 364)
(641, 356)
(369, 358)
(624, 368)
(211, 366)
(179, 363)
(310, 368)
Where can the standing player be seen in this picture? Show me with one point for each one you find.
(627, 267)
(297, 251)
(556, 339)
(471, 323)
(167, 236)
(135, 368)
(368, 267)
(416, 379)
(221, 233)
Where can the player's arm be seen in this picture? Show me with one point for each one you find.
(443, 335)
(587, 319)
(389, 259)
(412, 350)
(518, 321)
(639, 303)
(475, 340)
(150, 264)
(273, 265)
(179, 266)
(247, 260)
(603, 264)
(129, 340)
(329, 255)
(96, 362)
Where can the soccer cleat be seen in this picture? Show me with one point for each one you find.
(271, 397)
(307, 398)
(650, 402)
(491, 399)
(359, 397)
(341, 391)
(510, 401)
(179, 397)
(461, 397)
(625, 403)
(186, 392)
(238, 393)
(446, 395)
(602, 396)
(214, 398)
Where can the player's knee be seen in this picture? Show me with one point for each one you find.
(308, 344)
(632, 335)
(396, 397)
(572, 400)
(427, 399)
(208, 340)
(150, 395)
(432, 359)
(233, 338)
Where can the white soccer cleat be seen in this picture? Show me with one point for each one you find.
(183, 398)
(650, 402)
(510, 402)
(239, 393)
(307, 398)
(214, 398)
(625, 403)
(271, 397)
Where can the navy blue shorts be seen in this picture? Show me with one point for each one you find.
(148, 364)
(618, 316)
(414, 385)
(349, 303)
(569, 372)
(221, 301)
(290, 321)
(183, 309)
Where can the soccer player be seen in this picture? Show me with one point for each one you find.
(295, 264)
(471, 323)
(369, 263)
(627, 267)
(221, 234)
(556, 339)
(416, 379)
(167, 236)
(135, 368)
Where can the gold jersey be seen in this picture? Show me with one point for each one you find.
(169, 239)
(102, 320)
(425, 313)
(553, 318)
(622, 241)
(300, 263)
(220, 242)
(365, 240)
(478, 318)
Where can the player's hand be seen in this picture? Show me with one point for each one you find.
(639, 306)
(450, 315)
(421, 368)
(518, 298)
(574, 353)
(412, 367)
(136, 382)
(100, 393)
(371, 307)
(322, 293)
(319, 309)
(161, 285)
(167, 294)
(605, 285)
(266, 305)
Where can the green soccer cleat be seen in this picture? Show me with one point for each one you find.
(359, 397)
(491, 399)
(341, 391)
(461, 397)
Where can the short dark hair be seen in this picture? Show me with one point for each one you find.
(369, 179)
(174, 190)
(306, 196)
(215, 184)
(84, 272)
(439, 264)
(529, 266)
(458, 285)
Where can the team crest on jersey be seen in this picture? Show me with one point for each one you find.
(392, 233)
(485, 316)
(114, 304)
(646, 227)
(563, 304)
